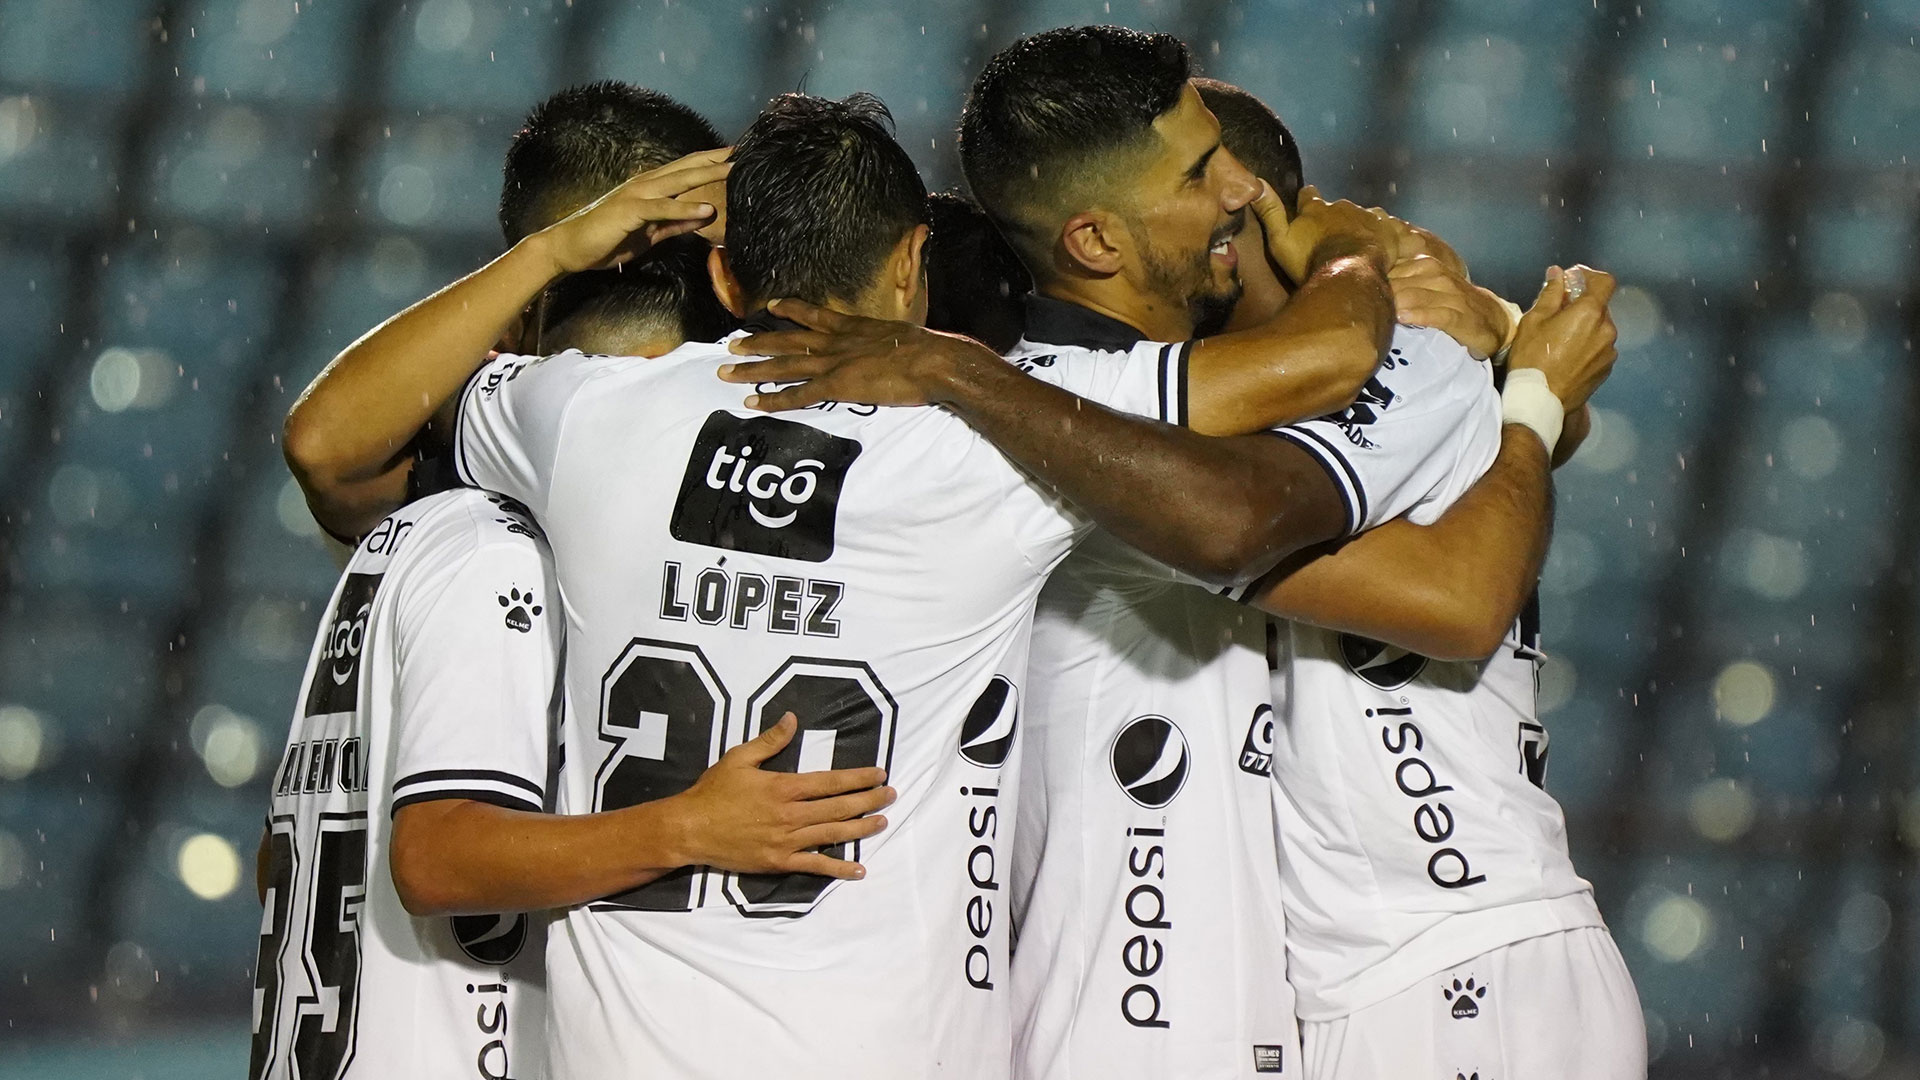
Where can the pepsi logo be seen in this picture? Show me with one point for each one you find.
(490, 939)
(986, 737)
(1385, 666)
(1149, 758)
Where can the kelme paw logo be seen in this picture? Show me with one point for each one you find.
(1465, 997)
(521, 610)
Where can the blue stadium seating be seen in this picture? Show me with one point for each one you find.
(270, 51)
(1699, 99)
(1645, 231)
(222, 163)
(707, 55)
(1314, 63)
(917, 62)
(493, 59)
(1868, 245)
(60, 827)
(96, 47)
(1870, 104)
(59, 160)
(437, 173)
(1507, 239)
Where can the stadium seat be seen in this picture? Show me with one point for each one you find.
(1313, 63)
(1700, 99)
(1643, 229)
(223, 163)
(197, 944)
(711, 51)
(1868, 109)
(89, 669)
(59, 829)
(438, 173)
(492, 59)
(97, 47)
(265, 50)
(919, 63)
(58, 160)
(145, 420)
(1868, 245)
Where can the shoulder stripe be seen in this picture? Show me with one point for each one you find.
(441, 776)
(1353, 474)
(1336, 468)
(491, 798)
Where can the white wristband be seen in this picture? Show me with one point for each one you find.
(1527, 400)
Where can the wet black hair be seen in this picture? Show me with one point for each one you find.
(1252, 132)
(819, 194)
(976, 284)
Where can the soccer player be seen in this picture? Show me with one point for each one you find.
(873, 570)
(413, 784)
(1150, 921)
(1436, 924)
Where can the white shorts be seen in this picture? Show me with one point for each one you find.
(1561, 1005)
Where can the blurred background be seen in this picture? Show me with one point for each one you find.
(202, 200)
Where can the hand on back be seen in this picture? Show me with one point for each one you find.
(841, 357)
(638, 214)
(741, 817)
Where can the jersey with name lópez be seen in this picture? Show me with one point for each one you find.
(434, 676)
(873, 571)
(1415, 834)
(1145, 872)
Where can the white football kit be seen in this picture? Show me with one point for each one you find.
(1146, 882)
(872, 570)
(434, 676)
(1415, 838)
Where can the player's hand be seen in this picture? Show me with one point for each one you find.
(1571, 341)
(1321, 231)
(1427, 292)
(840, 357)
(647, 209)
(741, 817)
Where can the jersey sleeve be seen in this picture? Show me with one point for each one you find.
(1150, 379)
(1395, 449)
(478, 679)
(507, 428)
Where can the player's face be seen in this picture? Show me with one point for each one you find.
(1191, 203)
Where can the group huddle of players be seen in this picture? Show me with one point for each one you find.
(736, 678)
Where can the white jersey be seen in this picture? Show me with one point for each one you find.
(434, 676)
(872, 570)
(1414, 831)
(1146, 878)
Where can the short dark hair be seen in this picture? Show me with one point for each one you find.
(584, 141)
(976, 284)
(819, 194)
(1252, 132)
(664, 292)
(1045, 111)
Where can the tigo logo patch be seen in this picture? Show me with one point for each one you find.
(763, 485)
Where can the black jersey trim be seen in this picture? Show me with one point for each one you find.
(483, 795)
(436, 775)
(1338, 473)
(1177, 384)
(1353, 474)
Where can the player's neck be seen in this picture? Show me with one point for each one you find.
(1112, 297)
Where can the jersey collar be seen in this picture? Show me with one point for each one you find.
(1058, 322)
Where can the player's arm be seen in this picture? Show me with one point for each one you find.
(1313, 357)
(1222, 509)
(1451, 589)
(463, 856)
(1448, 590)
(348, 436)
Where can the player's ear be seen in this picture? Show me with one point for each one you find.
(906, 274)
(725, 285)
(1090, 244)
